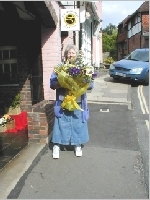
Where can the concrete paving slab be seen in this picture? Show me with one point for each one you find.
(120, 91)
(115, 95)
(106, 90)
(111, 99)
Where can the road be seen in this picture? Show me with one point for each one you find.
(113, 163)
(140, 101)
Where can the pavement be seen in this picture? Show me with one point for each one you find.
(106, 90)
(111, 165)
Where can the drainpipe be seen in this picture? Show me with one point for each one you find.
(77, 32)
(128, 45)
(141, 30)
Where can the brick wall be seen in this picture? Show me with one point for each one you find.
(8, 92)
(138, 41)
(25, 96)
(134, 42)
(40, 121)
(145, 22)
(40, 115)
(51, 52)
(122, 36)
(51, 56)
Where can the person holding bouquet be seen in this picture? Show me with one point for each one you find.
(70, 124)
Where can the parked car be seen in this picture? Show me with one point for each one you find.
(135, 67)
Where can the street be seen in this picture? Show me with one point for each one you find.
(140, 100)
(112, 165)
(51, 52)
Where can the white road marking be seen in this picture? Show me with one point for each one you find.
(143, 99)
(140, 99)
(147, 124)
(143, 104)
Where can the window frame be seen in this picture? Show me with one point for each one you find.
(8, 61)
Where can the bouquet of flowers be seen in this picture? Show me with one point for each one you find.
(4, 119)
(76, 77)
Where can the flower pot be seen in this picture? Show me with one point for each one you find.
(10, 125)
(13, 111)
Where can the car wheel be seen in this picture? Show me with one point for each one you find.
(146, 81)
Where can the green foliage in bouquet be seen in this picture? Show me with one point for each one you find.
(76, 77)
(79, 60)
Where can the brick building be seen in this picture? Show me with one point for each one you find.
(30, 47)
(133, 31)
(31, 44)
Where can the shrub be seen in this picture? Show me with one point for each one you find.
(108, 60)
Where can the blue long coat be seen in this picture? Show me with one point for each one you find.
(70, 127)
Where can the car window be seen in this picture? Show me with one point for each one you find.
(138, 56)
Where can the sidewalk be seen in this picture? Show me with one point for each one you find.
(110, 167)
(106, 90)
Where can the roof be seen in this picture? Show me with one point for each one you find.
(125, 20)
(143, 8)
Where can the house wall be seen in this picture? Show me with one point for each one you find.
(99, 39)
(51, 53)
(138, 40)
(122, 36)
(134, 42)
(136, 28)
(134, 36)
(41, 115)
(24, 62)
(65, 40)
(122, 43)
(86, 41)
(145, 22)
(97, 55)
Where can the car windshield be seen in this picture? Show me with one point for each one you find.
(139, 56)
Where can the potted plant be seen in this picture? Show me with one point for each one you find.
(108, 61)
(14, 108)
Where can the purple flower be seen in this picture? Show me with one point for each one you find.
(94, 75)
(74, 71)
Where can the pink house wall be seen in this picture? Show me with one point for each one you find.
(99, 13)
(99, 8)
(51, 53)
(65, 40)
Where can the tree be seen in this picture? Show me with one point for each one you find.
(109, 29)
(109, 39)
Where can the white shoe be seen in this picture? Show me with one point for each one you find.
(78, 150)
(56, 151)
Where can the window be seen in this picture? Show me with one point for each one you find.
(8, 66)
(119, 47)
(125, 46)
(132, 22)
(120, 30)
